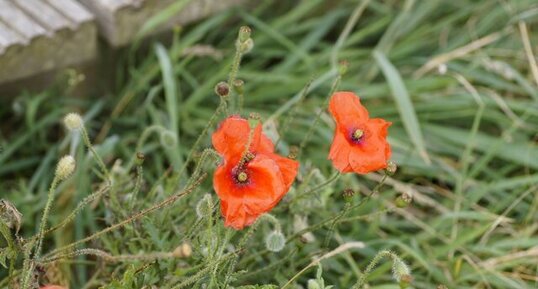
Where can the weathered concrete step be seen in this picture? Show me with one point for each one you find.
(39, 35)
(121, 20)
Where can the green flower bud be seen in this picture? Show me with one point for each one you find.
(275, 241)
(222, 89)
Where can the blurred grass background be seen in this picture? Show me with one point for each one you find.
(454, 77)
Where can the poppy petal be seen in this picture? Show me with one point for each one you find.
(241, 204)
(339, 152)
(288, 168)
(232, 136)
(347, 109)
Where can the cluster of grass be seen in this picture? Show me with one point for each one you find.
(458, 79)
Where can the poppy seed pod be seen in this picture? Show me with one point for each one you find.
(342, 67)
(73, 121)
(244, 33)
(238, 85)
(66, 167)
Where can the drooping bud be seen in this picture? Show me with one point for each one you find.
(275, 241)
(222, 89)
(140, 157)
(244, 33)
(66, 167)
(183, 251)
(403, 200)
(73, 121)
(391, 168)
(168, 139)
(10, 215)
(205, 206)
(401, 271)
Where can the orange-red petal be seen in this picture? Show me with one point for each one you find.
(242, 204)
(339, 152)
(231, 138)
(347, 109)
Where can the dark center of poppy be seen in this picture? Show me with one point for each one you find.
(357, 135)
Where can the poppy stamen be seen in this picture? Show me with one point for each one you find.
(357, 135)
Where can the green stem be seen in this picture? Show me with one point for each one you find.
(99, 160)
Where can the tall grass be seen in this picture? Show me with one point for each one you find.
(457, 79)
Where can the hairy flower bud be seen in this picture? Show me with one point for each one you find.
(140, 157)
(73, 121)
(391, 168)
(204, 206)
(222, 89)
(313, 284)
(342, 67)
(403, 200)
(66, 167)
(168, 139)
(401, 271)
(348, 195)
(275, 241)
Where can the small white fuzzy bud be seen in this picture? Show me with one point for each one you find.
(168, 139)
(275, 241)
(73, 121)
(400, 269)
(66, 166)
(204, 206)
(313, 284)
(442, 69)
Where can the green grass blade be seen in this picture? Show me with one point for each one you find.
(403, 102)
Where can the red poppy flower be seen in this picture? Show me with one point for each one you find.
(360, 142)
(249, 184)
